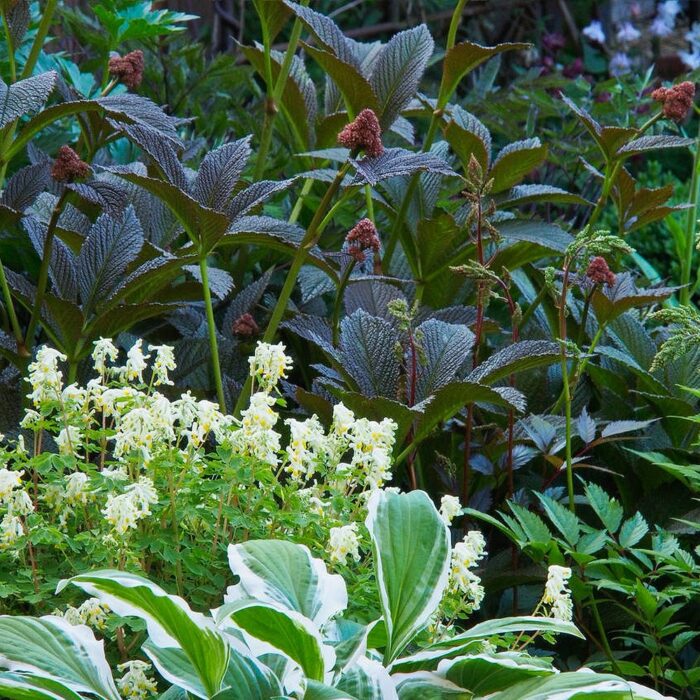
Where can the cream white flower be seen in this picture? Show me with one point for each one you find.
(135, 433)
(344, 542)
(163, 363)
(69, 440)
(104, 350)
(135, 362)
(269, 364)
(76, 492)
(31, 420)
(74, 397)
(10, 530)
(121, 513)
(19, 503)
(92, 612)
(135, 684)
(44, 376)
(307, 443)
(450, 508)
(9, 480)
(372, 443)
(256, 436)
(465, 556)
(343, 419)
(556, 593)
(143, 494)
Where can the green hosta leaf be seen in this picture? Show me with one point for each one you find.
(412, 554)
(286, 574)
(487, 673)
(632, 530)
(575, 686)
(287, 630)
(562, 518)
(320, 691)
(51, 647)
(464, 58)
(398, 69)
(24, 96)
(24, 686)
(426, 685)
(170, 623)
(515, 161)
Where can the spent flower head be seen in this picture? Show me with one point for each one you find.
(128, 69)
(363, 133)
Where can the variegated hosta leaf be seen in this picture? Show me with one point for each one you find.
(411, 545)
(369, 680)
(170, 623)
(426, 685)
(578, 685)
(282, 629)
(25, 686)
(483, 673)
(50, 646)
(286, 574)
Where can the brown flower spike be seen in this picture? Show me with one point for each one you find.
(68, 166)
(128, 69)
(363, 236)
(676, 101)
(245, 325)
(599, 272)
(363, 133)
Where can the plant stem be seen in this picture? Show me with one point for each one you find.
(211, 325)
(7, 296)
(307, 242)
(38, 44)
(10, 47)
(44, 272)
(685, 292)
(454, 24)
(340, 293)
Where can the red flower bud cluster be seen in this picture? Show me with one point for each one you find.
(128, 69)
(363, 133)
(245, 325)
(68, 166)
(599, 272)
(677, 100)
(363, 236)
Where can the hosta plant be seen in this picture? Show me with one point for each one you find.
(281, 631)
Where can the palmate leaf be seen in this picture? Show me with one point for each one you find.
(370, 295)
(50, 646)
(467, 136)
(518, 357)
(298, 100)
(411, 546)
(611, 302)
(355, 88)
(398, 69)
(257, 193)
(109, 248)
(170, 623)
(25, 186)
(286, 574)
(368, 354)
(514, 162)
(526, 194)
(653, 143)
(395, 162)
(19, 17)
(445, 347)
(327, 33)
(219, 173)
(464, 58)
(24, 96)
